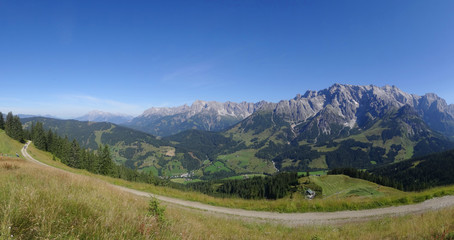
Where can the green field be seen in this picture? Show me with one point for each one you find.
(216, 167)
(173, 168)
(313, 173)
(7, 146)
(244, 161)
(184, 181)
(151, 169)
(340, 186)
(239, 177)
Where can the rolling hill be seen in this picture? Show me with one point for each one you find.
(132, 148)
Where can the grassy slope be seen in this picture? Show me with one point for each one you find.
(340, 186)
(244, 161)
(40, 202)
(7, 146)
(296, 203)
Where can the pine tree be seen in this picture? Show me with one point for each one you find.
(38, 136)
(13, 127)
(2, 121)
(9, 124)
(73, 156)
(104, 161)
(50, 141)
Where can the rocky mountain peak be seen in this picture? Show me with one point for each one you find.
(342, 104)
(352, 105)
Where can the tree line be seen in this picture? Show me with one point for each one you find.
(268, 187)
(415, 174)
(12, 127)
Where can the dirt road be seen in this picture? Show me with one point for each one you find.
(294, 219)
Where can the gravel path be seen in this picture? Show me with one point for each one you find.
(295, 219)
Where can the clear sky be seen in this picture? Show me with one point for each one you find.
(66, 58)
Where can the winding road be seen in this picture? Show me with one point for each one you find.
(292, 219)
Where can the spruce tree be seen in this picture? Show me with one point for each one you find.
(9, 124)
(13, 127)
(2, 121)
(38, 136)
(104, 161)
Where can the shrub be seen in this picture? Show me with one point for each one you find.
(155, 209)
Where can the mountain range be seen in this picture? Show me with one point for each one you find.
(341, 126)
(202, 115)
(351, 105)
(100, 116)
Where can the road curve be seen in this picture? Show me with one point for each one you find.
(293, 219)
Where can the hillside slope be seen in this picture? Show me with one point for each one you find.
(49, 208)
(421, 172)
(132, 148)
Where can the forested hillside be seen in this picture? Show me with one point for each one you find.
(410, 175)
(134, 149)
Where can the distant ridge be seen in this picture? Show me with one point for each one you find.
(202, 115)
(100, 116)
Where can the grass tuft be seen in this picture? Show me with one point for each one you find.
(9, 166)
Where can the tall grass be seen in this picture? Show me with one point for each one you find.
(42, 203)
(433, 225)
(38, 202)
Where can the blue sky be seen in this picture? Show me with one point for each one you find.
(66, 58)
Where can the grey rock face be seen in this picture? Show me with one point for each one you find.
(351, 106)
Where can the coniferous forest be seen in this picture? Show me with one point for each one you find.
(411, 175)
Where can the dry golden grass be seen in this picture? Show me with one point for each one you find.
(190, 224)
(40, 202)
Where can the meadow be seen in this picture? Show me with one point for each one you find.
(46, 203)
